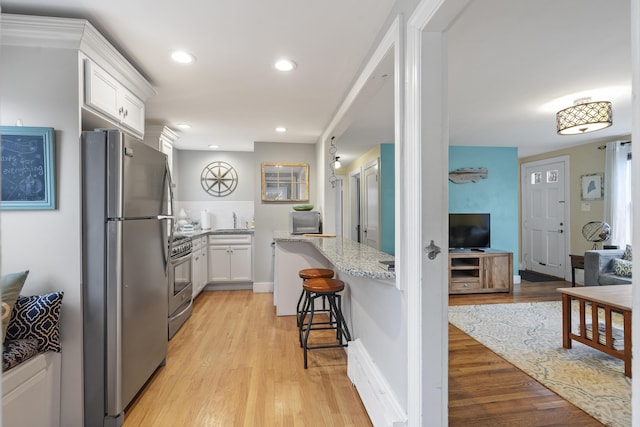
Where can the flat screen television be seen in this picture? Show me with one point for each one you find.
(469, 230)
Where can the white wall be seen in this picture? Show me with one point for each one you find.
(41, 88)
(271, 216)
(376, 313)
(190, 195)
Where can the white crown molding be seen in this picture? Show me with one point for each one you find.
(72, 33)
(158, 130)
(40, 31)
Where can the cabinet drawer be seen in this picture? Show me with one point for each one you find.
(229, 239)
(464, 285)
(196, 243)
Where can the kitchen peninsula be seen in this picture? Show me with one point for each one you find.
(295, 252)
(372, 305)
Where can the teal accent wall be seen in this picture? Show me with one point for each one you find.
(387, 199)
(497, 195)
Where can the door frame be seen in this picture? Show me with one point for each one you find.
(364, 200)
(567, 209)
(340, 222)
(426, 124)
(354, 217)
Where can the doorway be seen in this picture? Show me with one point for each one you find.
(354, 206)
(371, 205)
(545, 228)
(339, 209)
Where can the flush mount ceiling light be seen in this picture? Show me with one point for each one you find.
(182, 57)
(184, 125)
(214, 146)
(281, 129)
(585, 116)
(285, 65)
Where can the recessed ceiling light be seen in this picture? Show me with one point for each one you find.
(285, 65)
(214, 146)
(184, 125)
(183, 57)
(281, 129)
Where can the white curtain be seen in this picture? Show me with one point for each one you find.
(617, 192)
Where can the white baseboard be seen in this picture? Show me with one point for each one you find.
(262, 287)
(378, 399)
(229, 286)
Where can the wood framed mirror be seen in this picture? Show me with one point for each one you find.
(285, 182)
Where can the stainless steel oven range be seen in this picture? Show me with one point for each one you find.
(180, 283)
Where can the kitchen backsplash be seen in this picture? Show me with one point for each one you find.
(220, 212)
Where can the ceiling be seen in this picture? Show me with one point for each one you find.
(507, 59)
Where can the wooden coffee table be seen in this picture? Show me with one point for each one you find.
(616, 298)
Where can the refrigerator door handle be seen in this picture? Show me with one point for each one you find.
(114, 321)
(167, 191)
(169, 186)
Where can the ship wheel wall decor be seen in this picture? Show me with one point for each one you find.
(219, 179)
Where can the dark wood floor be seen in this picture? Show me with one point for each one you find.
(486, 390)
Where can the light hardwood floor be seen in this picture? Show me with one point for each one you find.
(235, 363)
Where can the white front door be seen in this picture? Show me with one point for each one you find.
(371, 204)
(544, 227)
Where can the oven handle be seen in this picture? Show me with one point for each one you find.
(185, 309)
(182, 258)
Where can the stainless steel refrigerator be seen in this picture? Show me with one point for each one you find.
(127, 221)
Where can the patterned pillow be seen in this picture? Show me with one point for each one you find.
(627, 253)
(37, 317)
(11, 286)
(622, 267)
(17, 351)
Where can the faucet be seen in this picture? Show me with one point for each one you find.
(235, 221)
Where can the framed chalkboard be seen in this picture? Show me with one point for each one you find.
(27, 168)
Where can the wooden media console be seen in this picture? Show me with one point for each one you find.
(488, 270)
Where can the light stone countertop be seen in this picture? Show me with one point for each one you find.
(346, 255)
(200, 233)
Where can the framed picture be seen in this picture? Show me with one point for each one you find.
(592, 186)
(27, 164)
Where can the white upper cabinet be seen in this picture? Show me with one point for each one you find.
(106, 96)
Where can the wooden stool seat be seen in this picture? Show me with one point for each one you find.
(326, 289)
(316, 273)
(307, 274)
(323, 285)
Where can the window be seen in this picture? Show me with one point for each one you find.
(617, 197)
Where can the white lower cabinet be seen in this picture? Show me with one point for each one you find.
(199, 268)
(230, 258)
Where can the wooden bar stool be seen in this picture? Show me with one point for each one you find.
(306, 274)
(323, 288)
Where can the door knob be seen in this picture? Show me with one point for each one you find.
(432, 250)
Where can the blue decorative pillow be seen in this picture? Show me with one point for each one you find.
(622, 267)
(627, 255)
(17, 351)
(11, 287)
(37, 317)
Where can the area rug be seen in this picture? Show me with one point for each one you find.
(529, 335)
